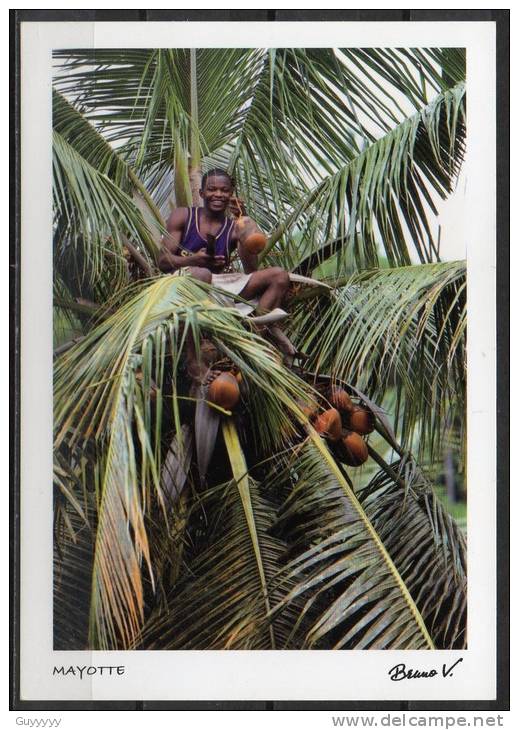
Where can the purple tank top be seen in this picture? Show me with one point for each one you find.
(192, 241)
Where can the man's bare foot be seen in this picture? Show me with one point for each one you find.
(267, 318)
(211, 375)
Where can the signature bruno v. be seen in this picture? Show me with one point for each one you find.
(400, 671)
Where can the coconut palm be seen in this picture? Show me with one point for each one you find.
(180, 524)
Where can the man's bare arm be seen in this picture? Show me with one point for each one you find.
(169, 258)
(249, 260)
(244, 226)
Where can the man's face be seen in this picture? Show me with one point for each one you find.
(216, 193)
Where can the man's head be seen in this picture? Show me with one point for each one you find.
(217, 190)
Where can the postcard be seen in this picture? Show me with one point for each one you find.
(258, 376)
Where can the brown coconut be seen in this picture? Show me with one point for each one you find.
(361, 420)
(255, 243)
(224, 391)
(328, 424)
(355, 450)
(340, 399)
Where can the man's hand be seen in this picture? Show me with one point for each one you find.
(236, 207)
(201, 258)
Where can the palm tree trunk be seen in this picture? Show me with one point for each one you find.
(195, 175)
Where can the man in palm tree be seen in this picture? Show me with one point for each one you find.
(202, 240)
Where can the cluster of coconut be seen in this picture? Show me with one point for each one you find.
(344, 426)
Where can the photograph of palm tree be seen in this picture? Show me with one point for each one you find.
(259, 374)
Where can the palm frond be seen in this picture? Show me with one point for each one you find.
(100, 399)
(87, 141)
(341, 567)
(92, 148)
(402, 328)
(426, 545)
(219, 602)
(387, 84)
(74, 521)
(73, 550)
(296, 129)
(95, 215)
(142, 102)
(381, 197)
(173, 301)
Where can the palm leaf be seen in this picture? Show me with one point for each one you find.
(219, 601)
(426, 545)
(342, 568)
(92, 248)
(94, 214)
(398, 328)
(144, 100)
(381, 196)
(239, 469)
(86, 140)
(74, 522)
(73, 550)
(99, 398)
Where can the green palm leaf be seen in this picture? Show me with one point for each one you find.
(396, 328)
(341, 566)
(146, 97)
(426, 545)
(95, 213)
(219, 601)
(99, 398)
(380, 194)
(87, 141)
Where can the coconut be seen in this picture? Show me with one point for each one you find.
(340, 400)
(355, 450)
(361, 420)
(255, 243)
(224, 391)
(329, 424)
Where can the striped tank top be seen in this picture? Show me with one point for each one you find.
(192, 240)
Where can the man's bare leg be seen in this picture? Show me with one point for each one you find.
(269, 286)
